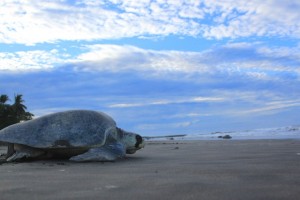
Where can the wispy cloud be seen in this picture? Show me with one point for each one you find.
(270, 107)
(36, 60)
(239, 60)
(166, 102)
(30, 22)
(253, 18)
(252, 61)
(122, 58)
(166, 128)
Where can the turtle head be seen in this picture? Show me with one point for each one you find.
(132, 141)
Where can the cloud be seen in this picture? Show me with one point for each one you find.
(239, 60)
(253, 18)
(165, 127)
(160, 102)
(269, 108)
(29, 60)
(234, 62)
(34, 22)
(31, 22)
(122, 58)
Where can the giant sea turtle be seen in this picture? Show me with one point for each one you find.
(80, 135)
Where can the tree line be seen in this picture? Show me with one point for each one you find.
(13, 113)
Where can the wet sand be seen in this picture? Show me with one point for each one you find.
(222, 169)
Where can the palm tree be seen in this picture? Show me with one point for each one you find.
(3, 99)
(19, 109)
(18, 106)
(15, 113)
(4, 111)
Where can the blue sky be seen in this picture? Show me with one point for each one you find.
(157, 67)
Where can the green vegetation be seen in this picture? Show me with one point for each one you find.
(13, 113)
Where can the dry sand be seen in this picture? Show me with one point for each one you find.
(225, 169)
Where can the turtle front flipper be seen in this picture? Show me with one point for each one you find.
(108, 152)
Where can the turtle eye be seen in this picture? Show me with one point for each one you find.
(139, 140)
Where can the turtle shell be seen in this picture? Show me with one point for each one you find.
(76, 128)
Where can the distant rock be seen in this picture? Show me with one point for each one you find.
(225, 137)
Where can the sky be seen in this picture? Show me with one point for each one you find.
(156, 66)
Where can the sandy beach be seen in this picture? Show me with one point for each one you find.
(219, 169)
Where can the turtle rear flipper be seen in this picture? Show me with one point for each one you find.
(18, 156)
(17, 152)
(10, 150)
(108, 152)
